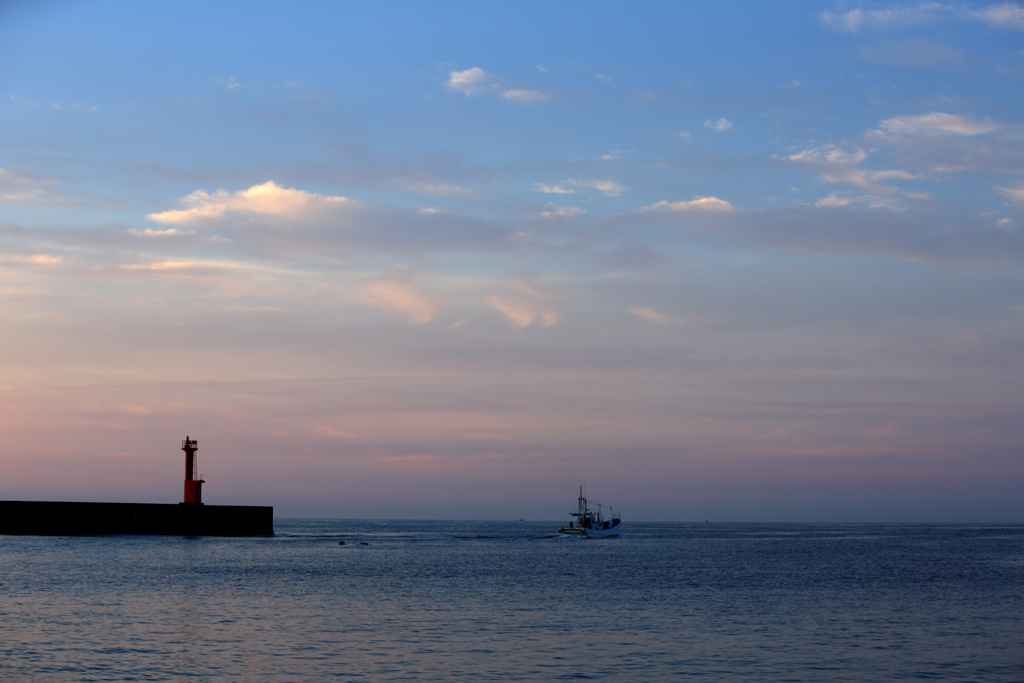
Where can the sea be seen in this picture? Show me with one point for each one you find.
(391, 600)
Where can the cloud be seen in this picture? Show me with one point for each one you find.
(423, 186)
(330, 431)
(228, 83)
(938, 123)
(872, 201)
(395, 292)
(713, 204)
(76, 107)
(525, 96)
(522, 316)
(651, 315)
(1013, 194)
(833, 154)
(552, 189)
(1005, 15)
(720, 126)
(608, 188)
(173, 266)
(839, 165)
(170, 264)
(469, 82)
(149, 232)
(475, 81)
(898, 17)
(523, 305)
(38, 259)
(560, 212)
(14, 188)
(267, 199)
(135, 409)
(923, 145)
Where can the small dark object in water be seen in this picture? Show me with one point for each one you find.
(341, 542)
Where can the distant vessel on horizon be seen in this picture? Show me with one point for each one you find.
(592, 523)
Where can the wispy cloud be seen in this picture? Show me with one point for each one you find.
(330, 431)
(652, 316)
(424, 186)
(938, 123)
(150, 232)
(719, 126)
(203, 265)
(923, 145)
(560, 212)
(893, 17)
(170, 264)
(475, 81)
(15, 188)
(608, 188)
(38, 259)
(136, 409)
(552, 189)
(872, 201)
(713, 204)
(525, 96)
(837, 164)
(396, 292)
(524, 304)
(1004, 15)
(267, 199)
(1014, 194)
(228, 83)
(1007, 15)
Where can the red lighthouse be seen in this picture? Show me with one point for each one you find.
(193, 482)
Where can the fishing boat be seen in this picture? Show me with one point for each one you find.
(592, 523)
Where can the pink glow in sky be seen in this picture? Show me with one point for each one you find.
(731, 261)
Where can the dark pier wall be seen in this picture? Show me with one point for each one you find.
(184, 519)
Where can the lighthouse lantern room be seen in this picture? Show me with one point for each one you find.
(193, 481)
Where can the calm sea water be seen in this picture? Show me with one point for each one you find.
(442, 601)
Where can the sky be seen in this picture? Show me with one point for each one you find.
(725, 261)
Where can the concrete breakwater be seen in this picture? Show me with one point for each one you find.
(191, 517)
(184, 519)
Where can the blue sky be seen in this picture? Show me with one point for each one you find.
(741, 261)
